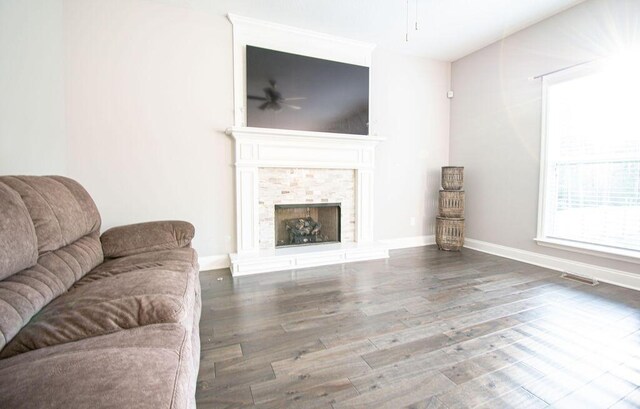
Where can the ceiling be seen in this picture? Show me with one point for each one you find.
(447, 29)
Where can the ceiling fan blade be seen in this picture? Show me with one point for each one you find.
(292, 106)
(264, 106)
(256, 98)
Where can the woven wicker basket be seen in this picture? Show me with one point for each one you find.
(451, 203)
(449, 233)
(452, 177)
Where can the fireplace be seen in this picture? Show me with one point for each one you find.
(329, 178)
(308, 223)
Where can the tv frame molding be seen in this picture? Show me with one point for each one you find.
(259, 33)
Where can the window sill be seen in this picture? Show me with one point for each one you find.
(628, 256)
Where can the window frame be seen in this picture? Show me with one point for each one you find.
(541, 236)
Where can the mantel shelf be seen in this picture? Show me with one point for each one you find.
(245, 131)
(262, 147)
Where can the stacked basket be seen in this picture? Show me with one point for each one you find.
(450, 221)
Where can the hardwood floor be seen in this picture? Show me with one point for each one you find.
(424, 329)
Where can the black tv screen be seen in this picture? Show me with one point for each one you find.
(289, 91)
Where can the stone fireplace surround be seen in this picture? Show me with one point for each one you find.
(276, 166)
(281, 186)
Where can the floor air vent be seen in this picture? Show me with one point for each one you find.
(581, 279)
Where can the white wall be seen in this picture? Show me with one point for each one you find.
(141, 92)
(496, 117)
(32, 128)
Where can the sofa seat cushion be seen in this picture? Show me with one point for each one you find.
(113, 300)
(181, 259)
(25, 293)
(147, 367)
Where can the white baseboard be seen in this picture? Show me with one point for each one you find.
(407, 242)
(604, 274)
(213, 262)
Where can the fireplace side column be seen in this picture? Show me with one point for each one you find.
(364, 194)
(364, 205)
(247, 217)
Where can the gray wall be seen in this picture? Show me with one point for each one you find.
(496, 117)
(413, 109)
(131, 98)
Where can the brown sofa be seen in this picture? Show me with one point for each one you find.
(90, 321)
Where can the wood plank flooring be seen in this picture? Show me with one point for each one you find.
(424, 329)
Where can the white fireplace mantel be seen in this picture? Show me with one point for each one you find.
(263, 147)
(257, 148)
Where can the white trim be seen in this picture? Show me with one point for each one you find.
(238, 20)
(573, 72)
(408, 242)
(303, 257)
(265, 34)
(287, 134)
(276, 148)
(604, 274)
(628, 256)
(543, 162)
(364, 205)
(214, 262)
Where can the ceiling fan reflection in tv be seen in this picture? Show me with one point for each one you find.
(273, 99)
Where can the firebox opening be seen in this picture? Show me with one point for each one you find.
(308, 223)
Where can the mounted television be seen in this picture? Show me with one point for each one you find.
(289, 91)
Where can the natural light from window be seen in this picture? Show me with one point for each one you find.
(591, 180)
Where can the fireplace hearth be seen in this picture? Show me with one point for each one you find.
(305, 224)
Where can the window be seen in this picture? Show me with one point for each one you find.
(590, 168)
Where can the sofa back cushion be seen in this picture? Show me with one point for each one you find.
(63, 246)
(18, 243)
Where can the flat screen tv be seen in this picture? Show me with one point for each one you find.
(289, 91)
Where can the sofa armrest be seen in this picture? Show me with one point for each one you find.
(145, 237)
